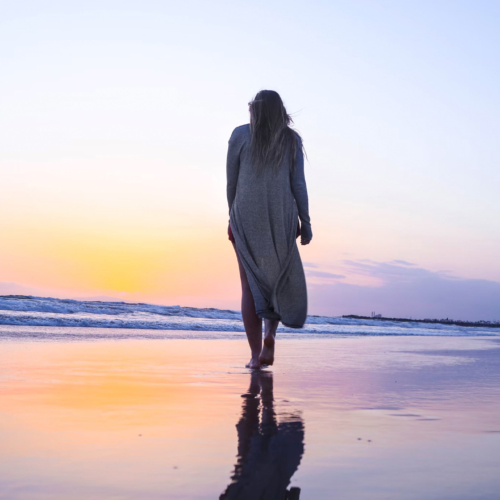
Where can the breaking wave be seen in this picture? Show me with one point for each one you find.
(29, 311)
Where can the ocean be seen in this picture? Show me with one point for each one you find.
(44, 317)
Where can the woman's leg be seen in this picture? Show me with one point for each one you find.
(252, 323)
(267, 355)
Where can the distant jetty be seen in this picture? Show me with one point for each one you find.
(447, 321)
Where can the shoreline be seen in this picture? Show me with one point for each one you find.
(42, 333)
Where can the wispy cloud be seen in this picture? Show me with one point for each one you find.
(403, 262)
(407, 290)
(390, 271)
(7, 288)
(324, 274)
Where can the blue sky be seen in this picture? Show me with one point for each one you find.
(115, 120)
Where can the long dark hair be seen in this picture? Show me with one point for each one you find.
(272, 137)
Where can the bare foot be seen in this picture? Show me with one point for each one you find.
(253, 364)
(267, 355)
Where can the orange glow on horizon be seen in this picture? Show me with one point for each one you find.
(191, 261)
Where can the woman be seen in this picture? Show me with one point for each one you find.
(267, 194)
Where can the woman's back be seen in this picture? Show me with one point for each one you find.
(265, 204)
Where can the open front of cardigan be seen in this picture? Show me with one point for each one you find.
(263, 214)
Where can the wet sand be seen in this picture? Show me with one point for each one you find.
(336, 418)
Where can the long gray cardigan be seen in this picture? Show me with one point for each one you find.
(264, 211)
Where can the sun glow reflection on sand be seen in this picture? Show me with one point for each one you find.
(142, 418)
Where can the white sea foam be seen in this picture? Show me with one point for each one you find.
(23, 311)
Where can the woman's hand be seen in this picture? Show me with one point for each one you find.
(305, 234)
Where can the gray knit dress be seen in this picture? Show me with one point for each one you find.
(264, 210)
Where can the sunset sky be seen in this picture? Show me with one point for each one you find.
(114, 122)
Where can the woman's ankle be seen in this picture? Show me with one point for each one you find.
(255, 355)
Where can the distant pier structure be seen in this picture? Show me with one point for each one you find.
(375, 315)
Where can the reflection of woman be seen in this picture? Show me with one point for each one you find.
(269, 452)
(267, 194)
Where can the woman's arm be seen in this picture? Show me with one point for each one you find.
(232, 168)
(299, 190)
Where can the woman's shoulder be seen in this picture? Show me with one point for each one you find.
(241, 132)
(298, 138)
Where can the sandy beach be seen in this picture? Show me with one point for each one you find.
(356, 417)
